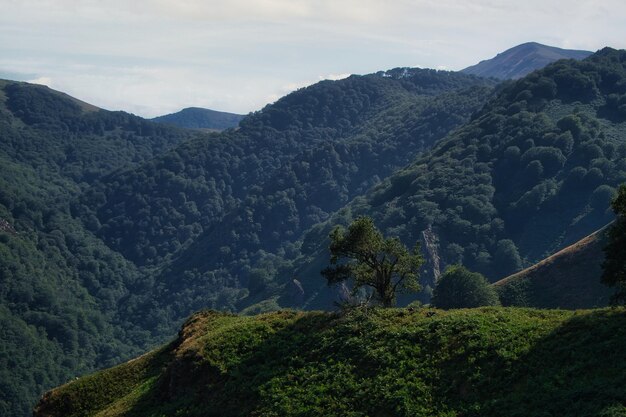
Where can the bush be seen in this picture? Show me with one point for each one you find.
(459, 288)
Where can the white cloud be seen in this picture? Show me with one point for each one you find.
(47, 81)
(334, 77)
(290, 87)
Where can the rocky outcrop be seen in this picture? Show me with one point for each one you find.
(430, 243)
(7, 227)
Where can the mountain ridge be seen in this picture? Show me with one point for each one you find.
(570, 278)
(86, 107)
(521, 60)
(422, 362)
(201, 118)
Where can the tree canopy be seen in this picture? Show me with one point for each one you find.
(460, 288)
(497, 192)
(362, 253)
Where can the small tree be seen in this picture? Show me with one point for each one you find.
(457, 287)
(362, 254)
(614, 266)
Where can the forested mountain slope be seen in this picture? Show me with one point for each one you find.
(209, 213)
(98, 209)
(533, 172)
(189, 189)
(113, 228)
(51, 131)
(61, 288)
(393, 362)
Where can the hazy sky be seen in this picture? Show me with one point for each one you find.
(152, 57)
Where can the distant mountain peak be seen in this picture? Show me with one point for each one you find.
(200, 118)
(522, 59)
(82, 105)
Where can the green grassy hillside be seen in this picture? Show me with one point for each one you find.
(568, 279)
(482, 362)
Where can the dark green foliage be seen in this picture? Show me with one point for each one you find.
(287, 167)
(27, 361)
(386, 362)
(65, 308)
(457, 287)
(614, 266)
(204, 212)
(511, 188)
(619, 202)
(60, 291)
(506, 257)
(38, 105)
(51, 132)
(363, 255)
(217, 208)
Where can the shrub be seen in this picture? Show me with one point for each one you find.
(459, 288)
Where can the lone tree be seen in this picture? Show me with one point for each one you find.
(614, 266)
(458, 287)
(362, 254)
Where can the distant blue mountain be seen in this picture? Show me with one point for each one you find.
(199, 118)
(521, 60)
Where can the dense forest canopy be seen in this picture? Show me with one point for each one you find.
(220, 215)
(99, 210)
(60, 286)
(533, 171)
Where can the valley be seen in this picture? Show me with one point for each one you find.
(115, 229)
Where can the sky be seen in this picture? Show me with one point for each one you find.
(153, 57)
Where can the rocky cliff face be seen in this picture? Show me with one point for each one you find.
(431, 249)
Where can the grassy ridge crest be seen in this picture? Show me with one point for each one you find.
(570, 278)
(480, 362)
